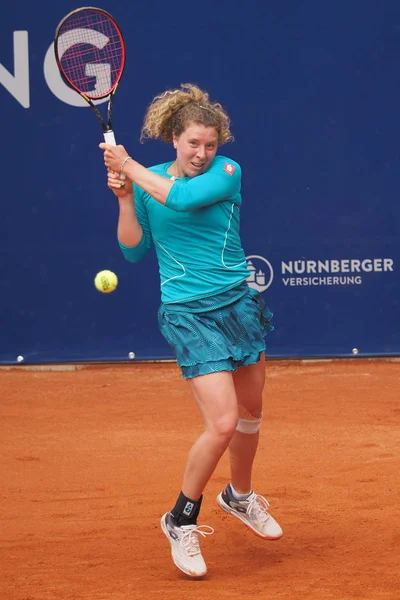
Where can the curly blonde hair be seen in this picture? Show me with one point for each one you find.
(171, 112)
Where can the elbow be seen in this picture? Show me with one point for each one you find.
(132, 259)
(134, 254)
(180, 202)
(181, 206)
(180, 209)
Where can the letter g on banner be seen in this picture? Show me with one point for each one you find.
(261, 272)
(52, 74)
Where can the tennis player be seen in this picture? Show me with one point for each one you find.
(215, 323)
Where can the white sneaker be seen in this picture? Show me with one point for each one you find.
(185, 547)
(253, 512)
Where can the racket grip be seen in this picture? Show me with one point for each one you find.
(109, 138)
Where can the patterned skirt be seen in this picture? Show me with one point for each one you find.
(220, 333)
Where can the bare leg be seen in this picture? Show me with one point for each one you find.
(216, 398)
(249, 383)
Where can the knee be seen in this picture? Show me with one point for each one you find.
(249, 421)
(223, 430)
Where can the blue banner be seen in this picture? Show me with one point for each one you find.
(312, 91)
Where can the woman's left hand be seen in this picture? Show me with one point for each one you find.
(122, 188)
(113, 156)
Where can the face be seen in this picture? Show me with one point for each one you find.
(195, 149)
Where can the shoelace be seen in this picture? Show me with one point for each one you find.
(190, 540)
(259, 505)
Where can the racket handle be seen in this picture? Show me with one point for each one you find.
(109, 138)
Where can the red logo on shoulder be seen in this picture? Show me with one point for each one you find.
(228, 168)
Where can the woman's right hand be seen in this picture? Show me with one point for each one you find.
(121, 187)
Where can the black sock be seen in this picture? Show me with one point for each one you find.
(186, 511)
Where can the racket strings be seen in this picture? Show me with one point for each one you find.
(90, 49)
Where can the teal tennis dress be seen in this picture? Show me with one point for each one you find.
(209, 315)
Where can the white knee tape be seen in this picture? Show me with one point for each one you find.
(249, 424)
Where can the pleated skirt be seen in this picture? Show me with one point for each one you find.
(215, 334)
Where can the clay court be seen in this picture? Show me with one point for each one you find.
(92, 456)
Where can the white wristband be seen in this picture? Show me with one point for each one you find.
(123, 164)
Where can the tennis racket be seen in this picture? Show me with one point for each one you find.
(90, 54)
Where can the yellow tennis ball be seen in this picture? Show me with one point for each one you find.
(106, 281)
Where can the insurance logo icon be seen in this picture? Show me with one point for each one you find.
(261, 272)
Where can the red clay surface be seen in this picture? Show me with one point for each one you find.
(91, 458)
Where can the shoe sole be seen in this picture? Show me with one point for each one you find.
(222, 504)
(187, 572)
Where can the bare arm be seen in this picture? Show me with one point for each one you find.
(129, 230)
(221, 181)
(156, 186)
